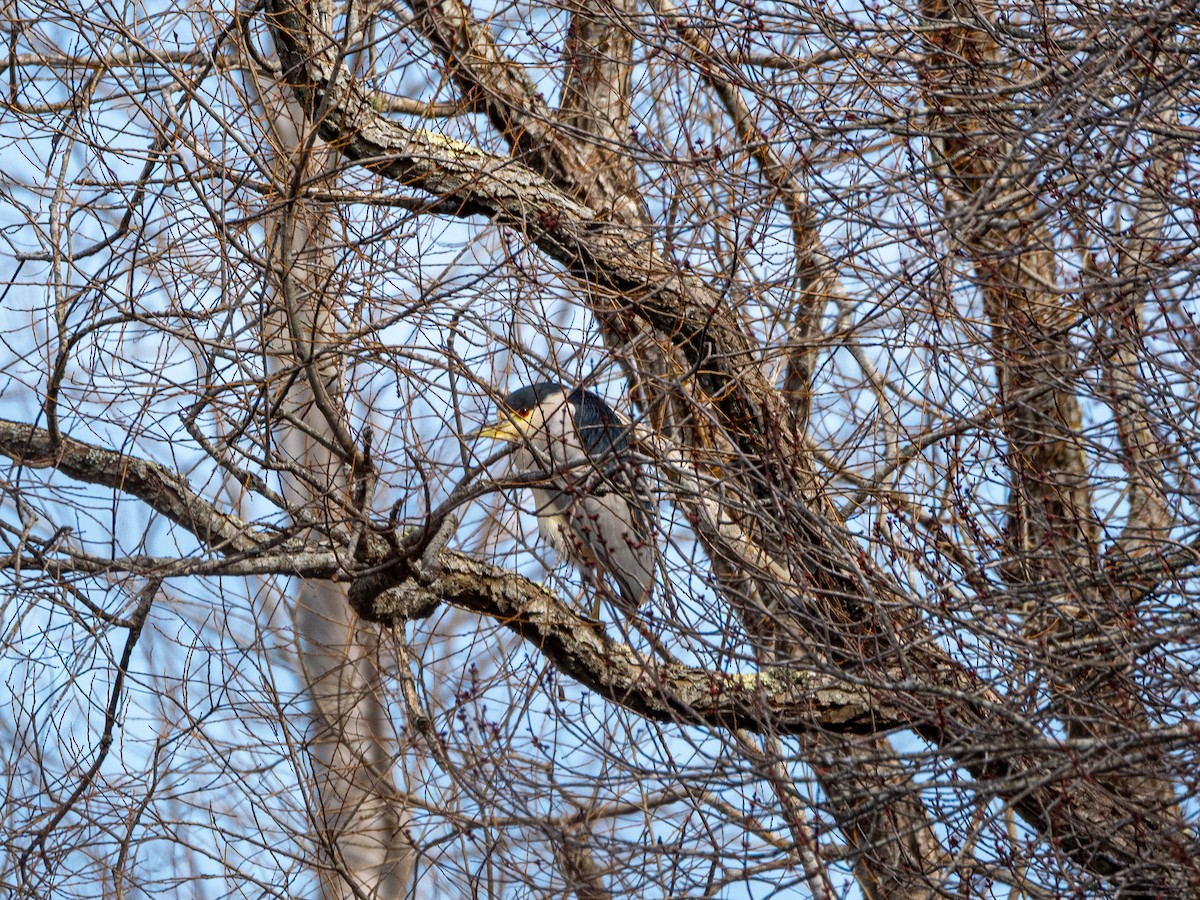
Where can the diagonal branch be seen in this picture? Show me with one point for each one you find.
(863, 608)
(773, 701)
(159, 488)
(898, 851)
(947, 705)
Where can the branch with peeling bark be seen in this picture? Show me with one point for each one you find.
(779, 701)
(946, 704)
(771, 701)
(702, 330)
(158, 487)
(744, 405)
(601, 251)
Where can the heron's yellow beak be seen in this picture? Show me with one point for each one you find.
(505, 429)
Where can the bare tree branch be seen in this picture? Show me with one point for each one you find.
(949, 706)
(898, 312)
(1051, 529)
(159, 488)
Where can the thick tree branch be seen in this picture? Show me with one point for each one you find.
(1138, 264)
(159, 488)
(899, 855)
(1051, 532)
(948, 705)
(779, 701)
(675, 302)
(773, 701)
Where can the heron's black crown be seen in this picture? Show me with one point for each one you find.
(534, 395)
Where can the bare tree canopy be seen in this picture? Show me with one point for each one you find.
(894, 303)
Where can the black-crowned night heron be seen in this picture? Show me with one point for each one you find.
(590, 505)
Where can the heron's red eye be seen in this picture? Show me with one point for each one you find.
(523, 412)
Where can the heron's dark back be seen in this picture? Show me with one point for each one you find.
(601, 430)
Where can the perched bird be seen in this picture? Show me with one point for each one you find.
(591, 506)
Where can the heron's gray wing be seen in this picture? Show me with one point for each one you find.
(607, 532)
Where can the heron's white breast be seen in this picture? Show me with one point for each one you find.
(554, 526)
